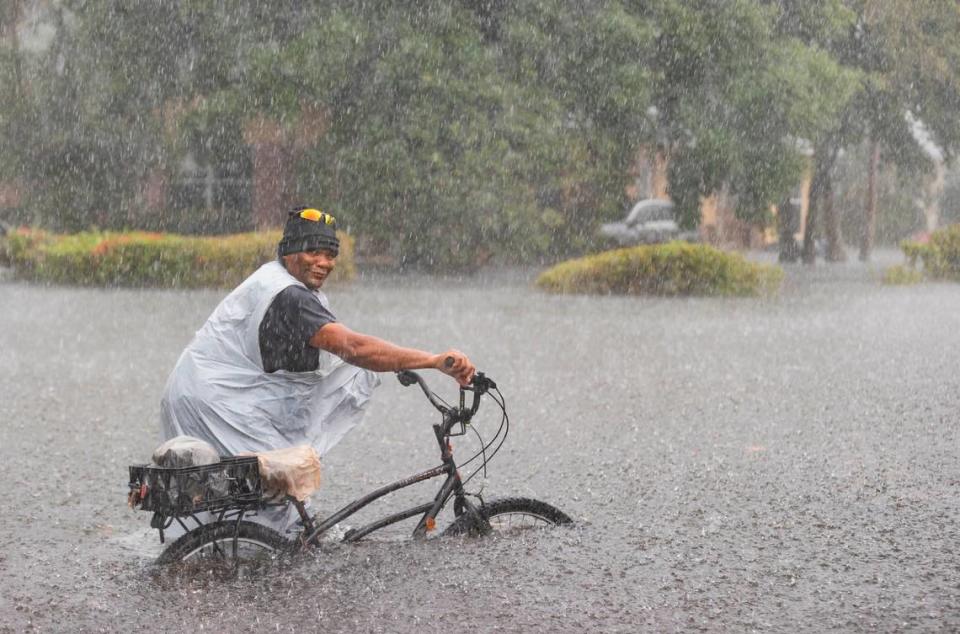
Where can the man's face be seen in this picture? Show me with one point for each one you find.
(310, 267)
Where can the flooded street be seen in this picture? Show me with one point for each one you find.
(784, 464)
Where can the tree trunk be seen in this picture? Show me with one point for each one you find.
(272, 184)
(788, 222)
(932, 193)
(869, 229)
(831, 224)
(18, 88)
(821, 173)
(808, 252)
(272, 171)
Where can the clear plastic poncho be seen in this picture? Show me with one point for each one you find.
(219, 392)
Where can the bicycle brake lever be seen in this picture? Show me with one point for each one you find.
(481, 383)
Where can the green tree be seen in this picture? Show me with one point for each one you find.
(820, 26)
(905, 57)
(460, 133)
(125, 89)
(734, 96)
(83, 143)
(453, 132)
(14, 123)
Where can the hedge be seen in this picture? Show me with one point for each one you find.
(140, 258)
(940, 256)
(675, 268)
(901, 275)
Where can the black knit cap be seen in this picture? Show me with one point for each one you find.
(309, 229)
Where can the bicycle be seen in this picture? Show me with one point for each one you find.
(231, 489)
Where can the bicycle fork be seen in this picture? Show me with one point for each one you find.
(451, 486)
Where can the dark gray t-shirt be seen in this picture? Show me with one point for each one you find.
(293, 317)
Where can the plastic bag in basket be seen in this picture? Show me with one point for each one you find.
(294, 471)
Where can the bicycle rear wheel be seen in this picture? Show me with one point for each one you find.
(512, 515)
(225, 541)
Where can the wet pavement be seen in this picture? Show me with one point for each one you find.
(784, 464)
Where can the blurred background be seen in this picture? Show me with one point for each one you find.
(451, 134)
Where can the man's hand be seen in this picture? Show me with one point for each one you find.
(457, 365)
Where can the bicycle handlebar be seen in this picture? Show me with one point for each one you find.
(480, 385)
(409, 377)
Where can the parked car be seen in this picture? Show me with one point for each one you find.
(649, 221)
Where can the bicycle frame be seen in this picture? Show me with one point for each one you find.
(452, 486)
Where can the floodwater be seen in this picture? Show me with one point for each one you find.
(786, 464)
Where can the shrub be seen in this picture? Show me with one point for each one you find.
(940, 256)
(901, 275)
(148, 259)
(677, 268)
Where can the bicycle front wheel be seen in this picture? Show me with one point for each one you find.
(225, 541)
(512, 515)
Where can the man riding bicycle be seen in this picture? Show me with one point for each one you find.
(273, 368)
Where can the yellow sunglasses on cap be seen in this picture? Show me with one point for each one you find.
(317, 216)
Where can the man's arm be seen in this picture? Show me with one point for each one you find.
(378, 355)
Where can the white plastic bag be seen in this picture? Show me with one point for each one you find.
(185, 451)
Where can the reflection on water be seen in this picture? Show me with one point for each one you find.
(731, 464)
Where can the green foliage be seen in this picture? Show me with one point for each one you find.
(11, 111)
(940, 257)
(822, 22)
(676, 268)
(733, 97)
(421, 177)
(907, 57)
(898, 215)
(447, 149)
(148, 259)
(901, 275)
(455, 132)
